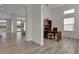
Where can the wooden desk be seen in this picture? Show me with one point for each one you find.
(52, 33)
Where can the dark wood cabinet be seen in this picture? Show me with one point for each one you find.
(47, 27)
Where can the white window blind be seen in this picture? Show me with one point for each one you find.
(69, 24)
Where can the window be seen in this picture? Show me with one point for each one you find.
(69, 24)
(2, 23)
(69, 21)
(69, 11)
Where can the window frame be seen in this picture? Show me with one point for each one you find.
(69, 24)
(68, 11)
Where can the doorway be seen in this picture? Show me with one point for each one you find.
(21, 27)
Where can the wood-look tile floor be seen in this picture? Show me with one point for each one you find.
(16, 44)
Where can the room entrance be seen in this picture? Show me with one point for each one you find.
(21, 26)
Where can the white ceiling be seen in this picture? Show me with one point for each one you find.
(19, 9)
(53, 5)
(16, 9)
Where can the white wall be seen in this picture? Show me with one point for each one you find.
(28, 13)
(36, 23)
(8, 25)
(14, 24)
(57, 16)
(33, 21)
(46, 12)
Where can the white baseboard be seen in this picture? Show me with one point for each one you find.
(41, 44)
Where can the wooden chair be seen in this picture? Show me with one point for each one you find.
(55, 29)
(50, 36)
(52, 33)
